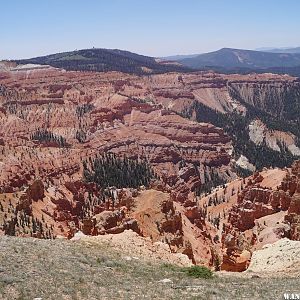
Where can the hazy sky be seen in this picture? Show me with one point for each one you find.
(152, 27)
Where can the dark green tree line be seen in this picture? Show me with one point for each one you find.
(110, 170)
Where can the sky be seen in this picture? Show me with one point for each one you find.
(30, 28)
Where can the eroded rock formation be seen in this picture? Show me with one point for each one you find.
(262, 214)
(51, 121)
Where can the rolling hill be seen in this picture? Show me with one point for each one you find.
(103, 60)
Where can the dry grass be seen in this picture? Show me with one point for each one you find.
(59, 269)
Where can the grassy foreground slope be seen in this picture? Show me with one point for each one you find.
(61, 269)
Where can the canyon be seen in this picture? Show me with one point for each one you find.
(54, 124)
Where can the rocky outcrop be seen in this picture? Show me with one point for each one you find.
(267, 95)
(159, 219)
(280, 257)
(256, 201)
(250, 220)
(131, 243)
(235, 260)
(108, 222)
(253, 203)
(236, 254)
(34, 193)
(259, 133)
(293, 216)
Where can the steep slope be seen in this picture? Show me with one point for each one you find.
(266, 209)
(106, 152)
(235, 103)
(249, 213)
(55, 123)
(181, 227)
(103, 60)
(232, 102)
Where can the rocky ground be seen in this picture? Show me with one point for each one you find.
(61, 269)
(133, 244)
(280, 258)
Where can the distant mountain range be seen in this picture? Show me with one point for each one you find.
(103, 60)
(225, 60)
(280, 50)
(178, 57)
(236, 58)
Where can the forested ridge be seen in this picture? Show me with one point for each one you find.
(104, 60)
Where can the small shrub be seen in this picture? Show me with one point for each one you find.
(198, 272)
